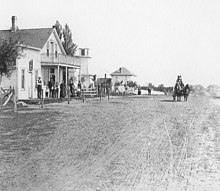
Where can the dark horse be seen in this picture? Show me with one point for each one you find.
(181, 91)
(186, 91)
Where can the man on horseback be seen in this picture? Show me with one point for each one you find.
(179, 84)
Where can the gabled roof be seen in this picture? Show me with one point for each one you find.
(30, 37)
(122, 72)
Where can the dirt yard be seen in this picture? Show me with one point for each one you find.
(124, 144)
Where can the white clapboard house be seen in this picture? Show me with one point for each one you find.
(44, 57)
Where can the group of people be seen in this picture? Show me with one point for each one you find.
(52, 89)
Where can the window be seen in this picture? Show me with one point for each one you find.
(52, 47)
(22, 78)
(36, 77)
(56, 50)
(82, 52)
(48, 49)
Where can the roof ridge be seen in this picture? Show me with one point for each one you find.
(27, 29)
(35, 28)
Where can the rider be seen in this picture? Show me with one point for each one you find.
(179, 83)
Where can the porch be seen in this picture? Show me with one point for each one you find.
(57, 69)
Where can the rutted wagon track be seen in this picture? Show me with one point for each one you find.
(121, 144)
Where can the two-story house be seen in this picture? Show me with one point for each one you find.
(44, 57)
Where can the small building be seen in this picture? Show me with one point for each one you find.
(44, 57)
(104, 82)
(122, 76)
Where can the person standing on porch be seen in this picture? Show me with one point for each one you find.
(39, 87)
(50, 85)
(79, 89)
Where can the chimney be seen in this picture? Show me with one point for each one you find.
(14, 26)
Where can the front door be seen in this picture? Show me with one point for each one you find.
(30, 85)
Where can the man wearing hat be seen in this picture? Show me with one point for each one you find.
(39, 87)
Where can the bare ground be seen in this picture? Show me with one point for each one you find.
(127, 143)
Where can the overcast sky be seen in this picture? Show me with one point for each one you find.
(155, 39)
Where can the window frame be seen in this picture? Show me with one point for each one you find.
(48, 51)
(23, 78)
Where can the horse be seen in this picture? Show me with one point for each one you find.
(178, 92)
(181, 91)
(186, 91)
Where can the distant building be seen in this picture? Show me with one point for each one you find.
(122, 75)
(45, 57)
(104, 82)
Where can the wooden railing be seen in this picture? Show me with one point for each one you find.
(60, 59)
(90, 92)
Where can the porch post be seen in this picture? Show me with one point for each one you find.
(66, 80)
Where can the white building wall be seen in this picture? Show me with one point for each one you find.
(83, 62)
(29, 90)
(121, 78)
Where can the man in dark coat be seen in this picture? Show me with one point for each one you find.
(39, 87)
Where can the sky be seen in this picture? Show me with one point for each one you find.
(154, 39)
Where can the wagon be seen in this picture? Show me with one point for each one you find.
(179, 92)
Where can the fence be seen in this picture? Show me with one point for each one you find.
(6, 95)
(90, 92)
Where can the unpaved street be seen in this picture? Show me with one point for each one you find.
(126, 143)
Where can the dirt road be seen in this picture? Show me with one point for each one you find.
(127, 143)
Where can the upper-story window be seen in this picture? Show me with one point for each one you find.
(82, 52)
(56, 50)
(52, 47)
(48, 49)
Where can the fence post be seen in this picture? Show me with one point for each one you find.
(83, 97)
(15, 101)
(42, 99)
(100, 93)
(108, 92)
(68, 94)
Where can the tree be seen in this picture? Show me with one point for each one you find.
(9, 52)
(59, 29)
(150, 85)
(161, 88)
(132, 84)
(68, 45)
